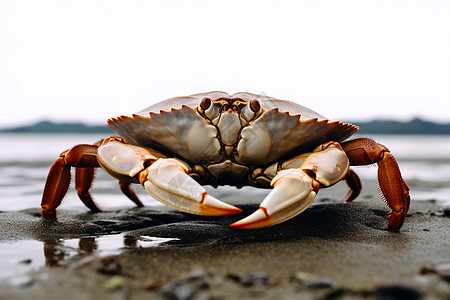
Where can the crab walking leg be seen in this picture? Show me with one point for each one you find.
(84, 176)
(354, 183)
(396, 192)
(168, 182)
(128, 191)
(58, 179)
(83, 183)
(295, 189)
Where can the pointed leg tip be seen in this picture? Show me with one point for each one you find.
(49, 214)
(213, 207)
(258, 219)
(396, 220)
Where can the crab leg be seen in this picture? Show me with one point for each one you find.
(295, 189)
(166, 179)
(84, 176)
(354, 183)
(83, 182)
(126, 189)
(58, 179)
(84, 159)
(396, 192)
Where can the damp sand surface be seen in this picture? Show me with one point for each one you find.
(331, 251)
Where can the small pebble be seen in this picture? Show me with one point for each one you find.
(26, 261)
(115, 283)
(187, 287)
(302, 276)
(155, 285)
(320, 283)
(256, 278)
(446, 211)
(336, 293)
(108, 265)
(443, 270)
(234, 277)
(397, 292)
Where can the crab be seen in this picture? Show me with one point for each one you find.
(176, 146)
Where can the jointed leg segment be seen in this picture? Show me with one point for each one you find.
(84, 159)
(396, 192)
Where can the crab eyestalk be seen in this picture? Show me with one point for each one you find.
(250, 110)
(209, 109)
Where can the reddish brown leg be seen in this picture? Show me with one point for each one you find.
(354, 184)
(83, 183)
(126, 189)
(366, 151)
(56, 186)
(58, 179)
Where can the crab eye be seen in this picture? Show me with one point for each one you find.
(206, 102)
(254, 105)
(251, 109)
(210, 110)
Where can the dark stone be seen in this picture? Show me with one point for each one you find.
(185, 288)
(446, 211)
(320, 283)
(397, 292)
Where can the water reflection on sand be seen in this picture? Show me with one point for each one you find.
(19, 257)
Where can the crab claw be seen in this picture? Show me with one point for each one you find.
(294, 191)
(168, 182)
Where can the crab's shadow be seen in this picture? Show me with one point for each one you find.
(328, 221)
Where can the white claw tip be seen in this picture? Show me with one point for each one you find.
(214, 207)
(258, 219)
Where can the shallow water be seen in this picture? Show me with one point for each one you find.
(20, 257)
(25, 160)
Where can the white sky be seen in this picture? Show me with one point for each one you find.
(349, 60)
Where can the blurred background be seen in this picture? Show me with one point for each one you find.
(379, 64)
(349, 60)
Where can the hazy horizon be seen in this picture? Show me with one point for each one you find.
(98, 124)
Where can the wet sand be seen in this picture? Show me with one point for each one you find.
(331, 251)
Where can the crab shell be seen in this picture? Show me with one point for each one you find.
(229, 135)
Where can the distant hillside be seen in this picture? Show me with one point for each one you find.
(50, 127)
(415, 126)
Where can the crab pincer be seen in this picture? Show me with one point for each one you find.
(168, 182)
(165, 179)
(294, 189)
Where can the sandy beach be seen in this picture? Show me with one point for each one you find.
(331, 251)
